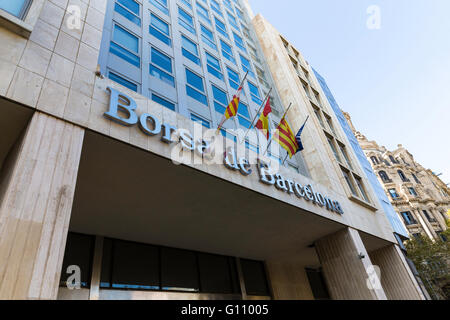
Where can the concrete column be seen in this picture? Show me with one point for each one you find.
(346, 267)
(36, 195)
(396, 277)
(289, 280)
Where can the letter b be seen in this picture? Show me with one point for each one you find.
(119, 101)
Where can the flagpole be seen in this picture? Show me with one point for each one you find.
(285, 159)
(224, 119)
(271, 139)
(257, 114)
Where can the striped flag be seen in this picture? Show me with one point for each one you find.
(263, 122)
(286, 138)
(232, 108)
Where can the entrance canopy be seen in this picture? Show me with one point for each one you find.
(127, 193)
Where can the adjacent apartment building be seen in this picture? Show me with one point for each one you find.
(419, 197)
(100, 97)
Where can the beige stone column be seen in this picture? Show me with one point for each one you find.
(346, 267)
(397, 279)
(36, 195)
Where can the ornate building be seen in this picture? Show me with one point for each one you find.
(421, 199)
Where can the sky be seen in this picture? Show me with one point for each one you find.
(393, 80)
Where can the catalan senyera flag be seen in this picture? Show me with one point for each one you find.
(286, 138)
(263, 122)
(232, 108)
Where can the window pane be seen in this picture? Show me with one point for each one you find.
(227, 52)
(194, 80)
(208, 37)
(239, 42)
(135, 266)
(161, 5)
(127, 14)
(213, 66)
(126, 39)
(243, 110)
(162, 75)
(219, 95)
(12, 6)
(122, 81)
(79, 252)
(202, 121)
(186, 21)
(161, 101)
(202, 12)
(179, 270)
(125, 54)
(160, 30)
(190, 50)
(234, 78)
(216, 274)
(131, 5)
(221, 28)
(161, 60)
(196, 95)
(255, 278)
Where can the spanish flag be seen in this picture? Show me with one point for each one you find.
(263, 122)
(232, 108)
(286, 138)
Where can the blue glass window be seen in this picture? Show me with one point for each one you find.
(228, 135)
(160, 29)
(408, 218)
(190, 50)
(221, 28)
(233, 78)
(232, 20)
(163, 102)
(220, 100)
(129, 9)
(227, 4)
(187, 3)
(239, 42)
(213, 66)
(254, 92)
(14, 7)
(195, 87)
(186, 21)
(161, 67)
(240, 14)
(124, 45)
(202, 12)
(161, 5)
(128, 84)
(246, 66)
(216, 7)
(251, 147)
(202, 121)
(227, 52)
(208, 37)
(243, 115)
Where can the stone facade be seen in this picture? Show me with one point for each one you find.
(421, 199)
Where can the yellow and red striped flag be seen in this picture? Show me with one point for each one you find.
(232, 108)
(263, 122)
(286, 138)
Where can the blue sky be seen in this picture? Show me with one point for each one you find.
(395, 81)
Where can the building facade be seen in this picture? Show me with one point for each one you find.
(419, 197)
(112, 186)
